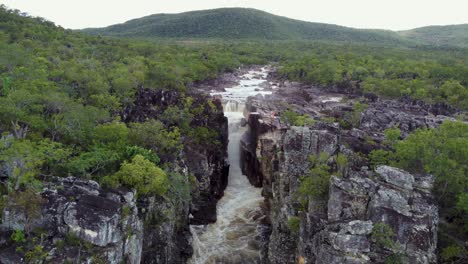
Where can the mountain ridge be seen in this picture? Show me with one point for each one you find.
(249, 23)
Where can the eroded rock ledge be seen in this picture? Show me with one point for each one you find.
(341, 228)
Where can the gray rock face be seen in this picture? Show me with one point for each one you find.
(109, 226)
(391, 199)
(408, 117)
(108, 221)
(338, 229)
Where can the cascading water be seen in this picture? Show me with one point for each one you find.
(235, 237)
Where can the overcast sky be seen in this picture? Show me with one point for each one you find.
(385, 14)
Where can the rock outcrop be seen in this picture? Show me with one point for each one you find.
(344, 226)
(206, 161)
(83, 222)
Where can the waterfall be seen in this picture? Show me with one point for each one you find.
(232, 106)
(235, 237)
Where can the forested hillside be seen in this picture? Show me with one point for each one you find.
(244, 23)
(453, 35)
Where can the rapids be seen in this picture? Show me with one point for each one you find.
(235, 237)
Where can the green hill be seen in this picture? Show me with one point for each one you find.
(242, 23)
(452, 35)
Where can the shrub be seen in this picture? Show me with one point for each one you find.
(294, 224)
(18, 236)
(148, 154)
(296, 119)
(358, 109)
(383, 235)
(153, 135)
(379, 157)
(140, 174)
(452, 252)
(204, 135)
(315, 185)
(394, 259)
(391, 136)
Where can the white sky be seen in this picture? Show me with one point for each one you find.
(385, 14)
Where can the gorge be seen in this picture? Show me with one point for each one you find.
(261, 139)
(236, 235)
(337, 228)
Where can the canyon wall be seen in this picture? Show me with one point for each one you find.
(369, 215)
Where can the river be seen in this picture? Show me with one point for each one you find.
(235, 237)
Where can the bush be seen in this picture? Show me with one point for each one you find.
(140, 174)
(295, 119)
(18, 236)
(148, 154)
(153, 135)
(358, 109)
(394, 259)
(204, 135)
(383, 235)
(443, 153)
(379, 157)
(316, 184)
(294, 224)
(452, 253)
(392, 135)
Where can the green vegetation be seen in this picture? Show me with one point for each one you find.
(65, 96)
(453, 35)
(247, 23)
(242, 23)
(18, 236)
(294, 119)
(394, 259)
(441, 152)
(294, 224)
(383, 235)
(316, 183)
(453, 253)
(392, 135)
(432, 75)
(140, 174)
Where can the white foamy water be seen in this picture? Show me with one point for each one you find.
(235, 237)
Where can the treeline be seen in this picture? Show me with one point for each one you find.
(435, 76)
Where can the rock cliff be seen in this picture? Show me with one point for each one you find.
(367, 215)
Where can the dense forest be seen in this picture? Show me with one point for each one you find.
(252, 24)
(63, 95)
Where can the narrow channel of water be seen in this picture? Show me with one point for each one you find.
(235, 237)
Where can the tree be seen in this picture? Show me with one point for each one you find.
(316, 183)
(442, 152)
(392, 135)
(29, 203)
(153, 135)
(25, 160)
(142, 175)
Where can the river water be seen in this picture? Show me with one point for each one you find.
(235, 237)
